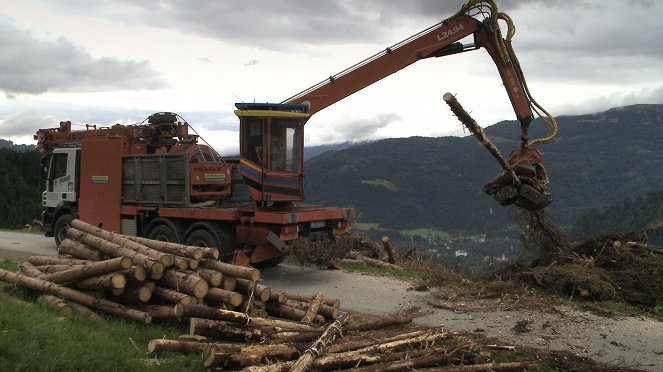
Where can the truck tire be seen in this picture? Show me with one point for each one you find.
(60, 228)
(163, 233)
(204, 234)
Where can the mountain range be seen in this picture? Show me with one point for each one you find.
(595, 161)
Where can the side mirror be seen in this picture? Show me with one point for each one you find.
(44, 163)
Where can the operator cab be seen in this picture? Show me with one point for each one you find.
(272, 150)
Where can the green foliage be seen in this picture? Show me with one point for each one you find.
(20, 195)
(595, 160)
(35, 337)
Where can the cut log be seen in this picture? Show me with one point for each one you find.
(327, 311)
(107, 281)
(185, 283)
(313, 308)
(89, 270)
(135, 295)
(181, 264)
(166, 259)
(218, 295)
(278, 296)
(206, 312)
(307, 298)
(115, 250)
(173, 296)
(50, 269)
(226, 269)
(177, 346)
(135, 273)
(226, 331)
(245, 286)
(344, 345)
(284, 311)
(55, 260)
(74, 295)
(320, 345)
(229, 283)
(57, 302)
(82, 309)
(214, 357)
(30, 270)
(213, 277)
(172, 248)
(380, 323)
(161, 312)
(79, 250)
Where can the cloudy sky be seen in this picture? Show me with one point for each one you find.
(106, 62)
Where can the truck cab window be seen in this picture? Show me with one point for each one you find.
(285, 145)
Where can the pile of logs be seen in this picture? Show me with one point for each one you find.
(144, 279)
(234, 320)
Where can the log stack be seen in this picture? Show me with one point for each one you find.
(147, 280)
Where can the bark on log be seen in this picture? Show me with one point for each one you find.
(74, 295)
(288, 312)
(185, 283)
(380, 323)
(89, 270)
(227, 331)
(82, 309)
(213, 277)
(107, 281)
(166, 259)
(510, 366)
(356, 344)
(313, 308)
(214, 357)
(226, 269)
(57, 302)
(30, 270)
(327, 311)
(182, 250)
(410, 360)
(307, 298)
(115, 250)
(50, 269)
(161, 312)
(135, 295)
(176, 346)
(320, 345)
(218, 295)
(278, 296)
(79, 250)
(55, 260)
(206, 312)
(173, 296)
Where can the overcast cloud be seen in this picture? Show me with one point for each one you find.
(32, 65)
(119, 61)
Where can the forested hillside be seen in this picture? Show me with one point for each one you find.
(20, 189)
(596, 160)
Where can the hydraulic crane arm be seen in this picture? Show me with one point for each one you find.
(438, 40)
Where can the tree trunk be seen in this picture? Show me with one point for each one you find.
(307, 298)
(320, 345)
(284, 311)
(161, 312)
(89, 270)
(247, 355)
(173, 296)
(229, 283)
(218, 295)
(74, 295)
(107, 281)
(56, 260)
(313, 308)
(79, 250)
(226, 269)
(135, 295)
(206, 312)
(135, 273)
(228, 332)
(380, 323)
(185, 283)
(213, 277)
(177, 346)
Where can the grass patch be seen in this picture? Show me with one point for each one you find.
(610, 308)
(426, 233)
(9, 265)
(366, 226)
(34, 337)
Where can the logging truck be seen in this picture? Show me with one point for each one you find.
(156, 180)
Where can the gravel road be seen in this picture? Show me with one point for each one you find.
(625, 341)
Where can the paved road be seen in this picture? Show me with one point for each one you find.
(26, 243)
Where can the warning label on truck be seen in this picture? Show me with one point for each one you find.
(99, 179)
(215, 177)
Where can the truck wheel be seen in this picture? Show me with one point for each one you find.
(163, 233)
(60, 228)
(202, 238)
(208, 235)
